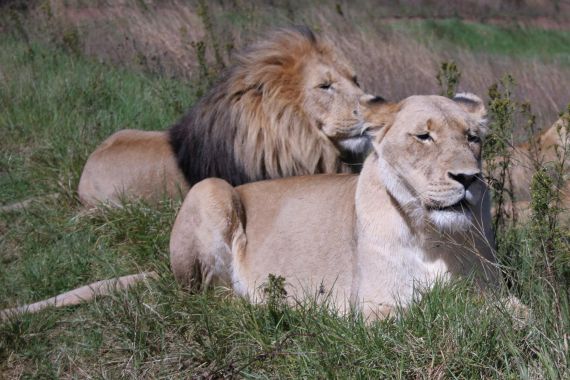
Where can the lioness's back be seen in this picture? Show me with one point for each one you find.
(296, 201)
(298, 215)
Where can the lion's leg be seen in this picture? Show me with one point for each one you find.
(131, 164)
(205, 233)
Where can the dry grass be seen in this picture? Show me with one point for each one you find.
(399, 67)
(159, 37)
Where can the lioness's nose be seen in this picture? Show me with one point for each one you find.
(466, 179)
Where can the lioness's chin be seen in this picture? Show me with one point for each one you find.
(356, 144)
(451, 220)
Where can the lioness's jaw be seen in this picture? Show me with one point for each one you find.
(459, 217)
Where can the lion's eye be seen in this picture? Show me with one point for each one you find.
(424, 137)
(473, 139)
(325, 86)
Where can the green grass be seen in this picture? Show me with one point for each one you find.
(505, 40)
(55, 109)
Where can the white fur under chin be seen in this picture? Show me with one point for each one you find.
(358, 144)
(451, 220)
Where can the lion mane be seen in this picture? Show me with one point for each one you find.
(254, 124)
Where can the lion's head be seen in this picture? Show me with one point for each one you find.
(430, 158)
(290, 105)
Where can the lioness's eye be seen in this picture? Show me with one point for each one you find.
(424, 137)
(473, 138)
(325, 86)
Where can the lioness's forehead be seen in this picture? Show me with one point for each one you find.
(435, 112)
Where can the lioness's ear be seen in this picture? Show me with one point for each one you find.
(475, 106)
(472, 104)
(378, 114)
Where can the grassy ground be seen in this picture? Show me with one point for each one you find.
(56, 106)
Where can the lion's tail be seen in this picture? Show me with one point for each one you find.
(79, 295)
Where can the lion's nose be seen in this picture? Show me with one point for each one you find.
(466, 179)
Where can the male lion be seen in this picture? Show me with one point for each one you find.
(131, 163)
(290, 105)
(419, 211)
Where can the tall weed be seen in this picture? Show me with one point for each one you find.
(448, 78)
(497, 149)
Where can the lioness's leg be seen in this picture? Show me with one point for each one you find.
(207, 230)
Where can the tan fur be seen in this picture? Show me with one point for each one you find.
(131, 164)
(523, 157)
(364, 241)
(80, 295)
(526, 156)
(269, 106)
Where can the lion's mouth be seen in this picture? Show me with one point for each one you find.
(365, 130)
(357, 143)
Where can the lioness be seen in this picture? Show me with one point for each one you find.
(547, 143)
(419, 211)
(289, 105)
(550, 146)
